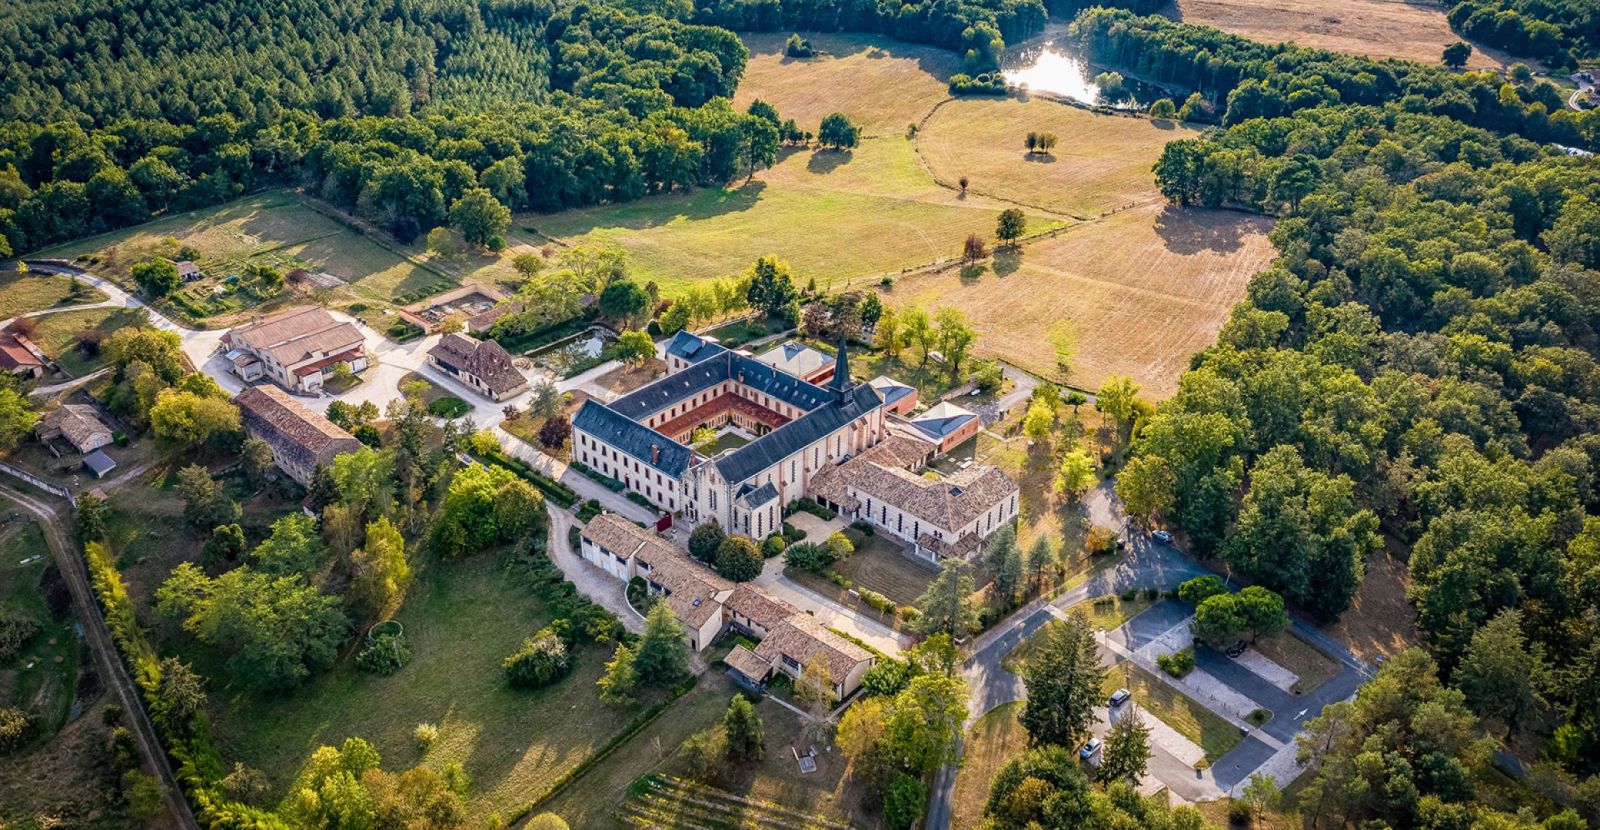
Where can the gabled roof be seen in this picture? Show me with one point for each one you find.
(754, 605)
(797, 359)
(752, 497)
(631, 437)
(14, 355)
(291, 421)
(801, 637)
(708, 372)
(691, 347)
(484, 359)
(891, 390)
(301, 333)
(949, 502)
(748, 663)
(943, 419)
(796, 435)
(79, 424)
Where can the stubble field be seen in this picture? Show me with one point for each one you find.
(1410, 29)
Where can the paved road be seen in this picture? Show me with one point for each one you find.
(1148, 563)
(104, 649)
(591, 581)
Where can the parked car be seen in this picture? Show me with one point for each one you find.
(1236, 649)
(1090, 753)
(1162, 536)
(1118, 698)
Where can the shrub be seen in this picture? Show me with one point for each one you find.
(1178, 663)
(385, 655)
(703, 755)
(639, 499)
(16, 632)
(1100, 542)
(448, 406)
(983, 84)
(773, 545)
(1128, 595)
(111, 715)
(15, 727)
(792, 534)
(876, 601)
(574, 539)
(798, 47)
(427, 735)
(904, 802)
(863, 529)
(541, 661)
(1152, 594)
(588, 510)
(807, 556)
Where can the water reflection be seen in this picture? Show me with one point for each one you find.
(1052, 69)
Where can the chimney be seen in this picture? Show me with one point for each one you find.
(655, 453)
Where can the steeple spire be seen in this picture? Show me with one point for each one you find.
(840, 382)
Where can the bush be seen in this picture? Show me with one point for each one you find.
(1152, 594)
(798, 47)
(1178, 663)
(1100, 542)
(427, 735)
(588, 510)
(983, 84)
(876, 601)
(863, 529)
(385, 655)
(448, 406)
(807, 556)
(541, 661)
(792, 534)
(15, 727)
(639, 499)
(16, 632)
(1240, 812)
(111, 715)
(574, 539)
(773, 545)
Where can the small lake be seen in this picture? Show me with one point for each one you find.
(565, 358)
(1056, 70)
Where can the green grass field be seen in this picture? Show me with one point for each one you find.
(57, 334)
(878, 565)
(41, 679)
(24, 293)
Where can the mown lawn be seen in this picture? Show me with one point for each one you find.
(461, 620)
(878, 565)
(57, 334)
(994, 739)
(1213, 733)
(22, 293)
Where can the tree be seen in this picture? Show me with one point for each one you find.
(1039, 560)
(274, 631)
(480, 216)
(1262, 611)
(946, 605)
(1011, 226)
(923, 724)
(1456, 55)
(204, 503)
(1261, 793)
(255, 458)
(540, 661)
(1003, 558)
(1199, 589)
(484, 507)
(704, 753)
(1217, 619)
(739, 559)
(192, 421)
(743, 727)
(555, 431)
(705, 541)
(663, 656)
(90, 517)
(838, 132)
(17, 418)
(1063, 677)
(1076, 473)
(1163, 109)
(1127, 749)
(1498, 671)
(180, 693)
(161, 351)
(624, 301)
(954, 337)
(635, 348)
(293, 547)
(156, 277)
(379, 571)
(973, 250)
(918, 330)
(905, 802)
(1040, 421)
(889, 334)
(1118, 398)
(620, 679)
(771, 288)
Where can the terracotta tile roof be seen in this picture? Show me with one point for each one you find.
(885, 472)
(484, 359)
(748, 663)
(801, 637)
(753, 604)
(694, 592)
(14, 355)
(291, 422)
(299, 334)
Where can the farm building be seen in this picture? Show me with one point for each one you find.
(301, 440)
(188, 271)
(298, 349)
(75, 424)
(483, 365)
(17, 359)
(709, 606)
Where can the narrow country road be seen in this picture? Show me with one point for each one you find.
(107, 658)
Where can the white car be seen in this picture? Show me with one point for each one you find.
(1162, 536)
(1090, 753)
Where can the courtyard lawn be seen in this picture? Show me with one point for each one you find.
(22, 293)
(1307, 661)
(461, 620)
(1214, 734)
(726, 441)
(57, 334)
(994, 739)
(878, 565)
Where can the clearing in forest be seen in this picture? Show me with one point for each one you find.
(1375, 28)
(1138, 291)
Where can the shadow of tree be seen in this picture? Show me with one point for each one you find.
(1192, 230)
(1007, 259)
(1039, 158)
(971, 273)
(823, 162)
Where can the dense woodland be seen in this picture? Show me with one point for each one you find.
(1258, 80)
(1560, 31)
(1418, 368)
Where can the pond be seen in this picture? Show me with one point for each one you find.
(573, 355)
(1055, 69)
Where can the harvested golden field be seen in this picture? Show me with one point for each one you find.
(1414, 30)
(881, 84)
(1101, 163)
(1140, 290)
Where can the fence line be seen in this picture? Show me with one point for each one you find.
(53, 489)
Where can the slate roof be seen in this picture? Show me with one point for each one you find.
(484, 359)
(99, 463)
(796, 435)
(708, 372)
(890, 390)
(753, 497)
(299, 334)
(691, 347)
(631, 437)
(943, 419)
(801, 637)
(797, 359)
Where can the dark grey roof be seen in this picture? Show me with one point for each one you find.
(99, 463)
(632, 437)
(753, 497)
(691, 347)
(654, 397)
(798, 434)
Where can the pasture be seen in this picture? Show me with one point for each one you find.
(1140, 291)
(1375, 28)
(22, 293)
